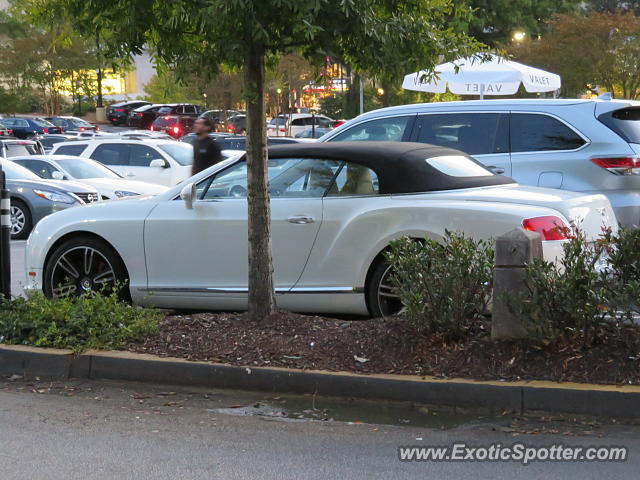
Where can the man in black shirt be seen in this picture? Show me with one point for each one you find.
(206, 151)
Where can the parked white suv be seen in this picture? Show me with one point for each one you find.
(581, 145)
(295, 123)
(164, 162)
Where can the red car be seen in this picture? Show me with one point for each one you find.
(174, 125)
(5, 131)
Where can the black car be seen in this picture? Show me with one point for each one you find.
(219, 118)
(143, 117)
(174, 125)
(15, 147)
(73, 124)
(118, 112)
(27, 127)
(48, 141)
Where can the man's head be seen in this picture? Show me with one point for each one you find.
(203, 126)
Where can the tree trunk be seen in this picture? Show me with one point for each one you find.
(262, 300)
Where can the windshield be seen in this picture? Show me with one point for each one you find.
(78, 121)
(81, 168)
(277, 121)
(180, 152)
(42, 123)
(13, 171)
(17, 149)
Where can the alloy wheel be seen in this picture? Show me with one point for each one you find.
(82, 271)
(389, 302)
(18, 220)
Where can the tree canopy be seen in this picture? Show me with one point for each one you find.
(596, 48)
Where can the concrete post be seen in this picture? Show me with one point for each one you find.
(514, 250)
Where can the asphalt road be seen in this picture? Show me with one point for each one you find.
(98, 430)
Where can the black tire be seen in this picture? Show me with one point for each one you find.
(380, 299)
(20, 217)
(82, 265)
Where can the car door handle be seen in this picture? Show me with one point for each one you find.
(496, 170)
(130, 174)
(300, 220)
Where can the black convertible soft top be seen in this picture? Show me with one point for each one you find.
(401, 167)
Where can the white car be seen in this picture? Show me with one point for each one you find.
(165, 162)
(107, 182)
(335, 207)
(295, 123)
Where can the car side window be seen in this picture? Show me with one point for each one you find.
(75, 150)
(473, 133)
(532, 132)
(394, 129)
(111, 154)
(288, 177)
(355, 180)
(21, 123)
(40, 168)
(141, 155)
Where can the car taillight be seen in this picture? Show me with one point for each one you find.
(166, 118)
(139, 114)
(619, 165)
(151, 128)
(549, 227)
(82, 129)
(176, 130)
(45, 130)
(120, 110)
(97, 129)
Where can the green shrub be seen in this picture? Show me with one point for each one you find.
(442, 285)
(100, 321)
(623, 270)
(585, 297)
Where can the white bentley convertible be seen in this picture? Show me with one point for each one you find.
(335, 207)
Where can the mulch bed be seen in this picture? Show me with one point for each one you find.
(387, 346)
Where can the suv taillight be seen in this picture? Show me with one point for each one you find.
(549, 227)
(619, 165)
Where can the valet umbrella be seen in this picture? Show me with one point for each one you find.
(470, 76)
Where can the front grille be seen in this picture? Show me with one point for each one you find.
(88, 197)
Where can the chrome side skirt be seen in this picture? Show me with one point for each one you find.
(279, 291)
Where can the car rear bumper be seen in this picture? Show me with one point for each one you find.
(626, 205)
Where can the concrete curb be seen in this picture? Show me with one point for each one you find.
(52, 364)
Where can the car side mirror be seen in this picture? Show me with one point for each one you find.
(57, 175)
(189, 194)
(159, 163)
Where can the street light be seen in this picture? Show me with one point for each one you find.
(519, 36)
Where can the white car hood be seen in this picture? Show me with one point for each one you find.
(124, 184)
